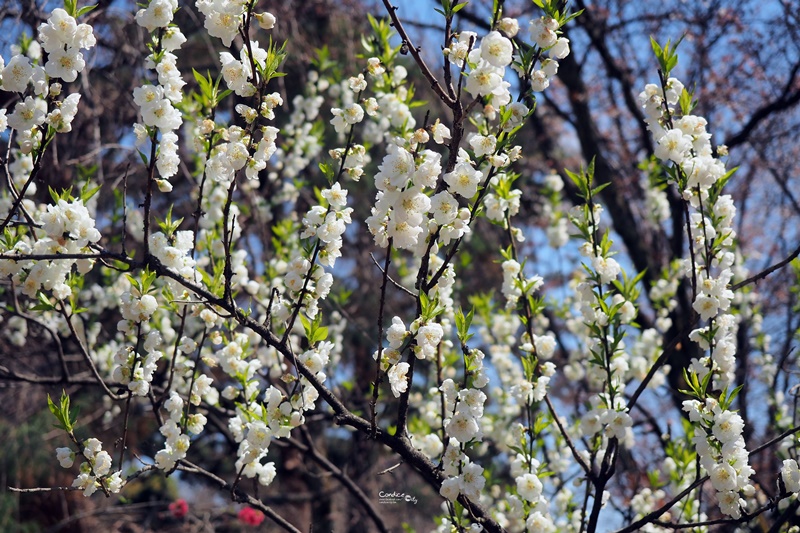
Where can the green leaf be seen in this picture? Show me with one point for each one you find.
(322, 59)
(463, 323)
(201, 80)
(657, 50)
(666, 55)
(70, 6)
(61, 411)
(44, 303)
(53, 194)
(275, 57)
(87, 193)
(732, 396)
(518, 450)
(320, 334)
(328, 171)
(541, 424)
(686, 102)
(85, 9)
(597, 190)
(52, 406)
(221, 96)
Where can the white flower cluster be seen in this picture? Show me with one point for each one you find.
(238, 73)
(402, 205)
(318, 287)
(177, 443)
(723, 350)
(69, 229)
(173, 251)
(722, 453)
(223, 18)
(133, 369)
(620, 363)
(156, 102)
(513, 282)
(611, 422)
(527, 392)
(544, 32)
(233, 361)
(135, 307)
(31, 113)
(255, 429)
(234, 154)
(463, 476)
(397, 371)
(357, 157)
(684, 140)
(349, 116)
(95, 471)
(530, 489)
(500, 206)
(329, 224)
(685, 143)
(427, 337)
(464, 410)
(69, 222)
(63, 38)
(316, 359)
(487, 61)
(790, 474)
(466, 407)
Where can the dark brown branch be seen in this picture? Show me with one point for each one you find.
(340, 476)
(788, 98)
(239, 496)
(437, 88)
(764, 273)
(391, 280)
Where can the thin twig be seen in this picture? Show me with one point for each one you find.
(764, 273)
(415, 53)
(397, 285)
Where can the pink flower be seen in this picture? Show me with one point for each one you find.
(179, 508)
(250, 516)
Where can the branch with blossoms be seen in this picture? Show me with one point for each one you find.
(220, 334)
